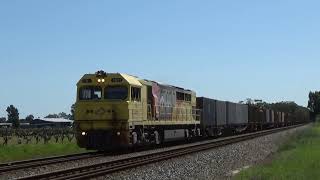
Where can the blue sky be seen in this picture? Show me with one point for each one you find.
(229, 50)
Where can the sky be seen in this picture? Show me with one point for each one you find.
(228, 50)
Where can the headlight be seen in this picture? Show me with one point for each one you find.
(102, 80)
(118, 133)
(83, 133)
(99, 80)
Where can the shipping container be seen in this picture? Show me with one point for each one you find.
(263, 117)
(272, 116)
(213, 112)
(252, 115)
(221, 113)
(208, 113)
(237, 114)
(231, 113)
(268, 117)
(278, 118)
(275, 117)
(241, 114)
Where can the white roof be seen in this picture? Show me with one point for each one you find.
(56, 120)
(5, 124)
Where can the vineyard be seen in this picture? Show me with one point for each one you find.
(9, 136)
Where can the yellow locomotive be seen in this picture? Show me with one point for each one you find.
(116, 110)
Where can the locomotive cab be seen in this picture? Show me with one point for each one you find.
(103, 109)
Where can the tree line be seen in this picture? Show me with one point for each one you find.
(13, 116)
(314, 103)
(289, 106)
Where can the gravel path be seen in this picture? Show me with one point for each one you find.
(213, 164)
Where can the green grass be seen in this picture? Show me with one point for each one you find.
(299, 158)
(29, 151)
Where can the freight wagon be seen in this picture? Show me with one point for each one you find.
(218, 117)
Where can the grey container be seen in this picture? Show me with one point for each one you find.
(246, 114)
(271, 116)
(237, 114)
(213, 112)
(268, 117)
(242, 114)
(221, 113)
(208, 114)
(231, 113)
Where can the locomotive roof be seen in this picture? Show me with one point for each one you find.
(136, 81)
(131, 79)
(149, 83)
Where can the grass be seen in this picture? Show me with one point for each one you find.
(30, 151)
(299, 158)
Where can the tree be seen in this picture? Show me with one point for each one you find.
(284, 106)
(3, 119)
(73, 106)
(64, 115)
(13, 116)
(314, 102)
(52, 116)
(30, 118)
(249, 101)
(60, 115)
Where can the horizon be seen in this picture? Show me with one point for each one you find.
(223, 50)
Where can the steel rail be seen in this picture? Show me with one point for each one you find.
(17, 165)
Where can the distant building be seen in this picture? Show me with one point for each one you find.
(51, 122)
(5, 125)
(24, 125)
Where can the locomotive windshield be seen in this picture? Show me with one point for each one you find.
(116, 93)
(90, 93)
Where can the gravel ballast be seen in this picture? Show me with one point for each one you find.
(217, 163)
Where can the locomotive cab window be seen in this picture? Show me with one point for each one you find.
(116, 93)
(183, 97)
(180, 96)
(188, 97)
(90, 93)
(135, 94)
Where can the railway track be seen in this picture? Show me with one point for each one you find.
(13, 166)
(101, 169)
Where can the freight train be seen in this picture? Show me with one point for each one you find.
(115, 110)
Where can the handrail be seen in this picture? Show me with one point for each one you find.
(165, 113)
